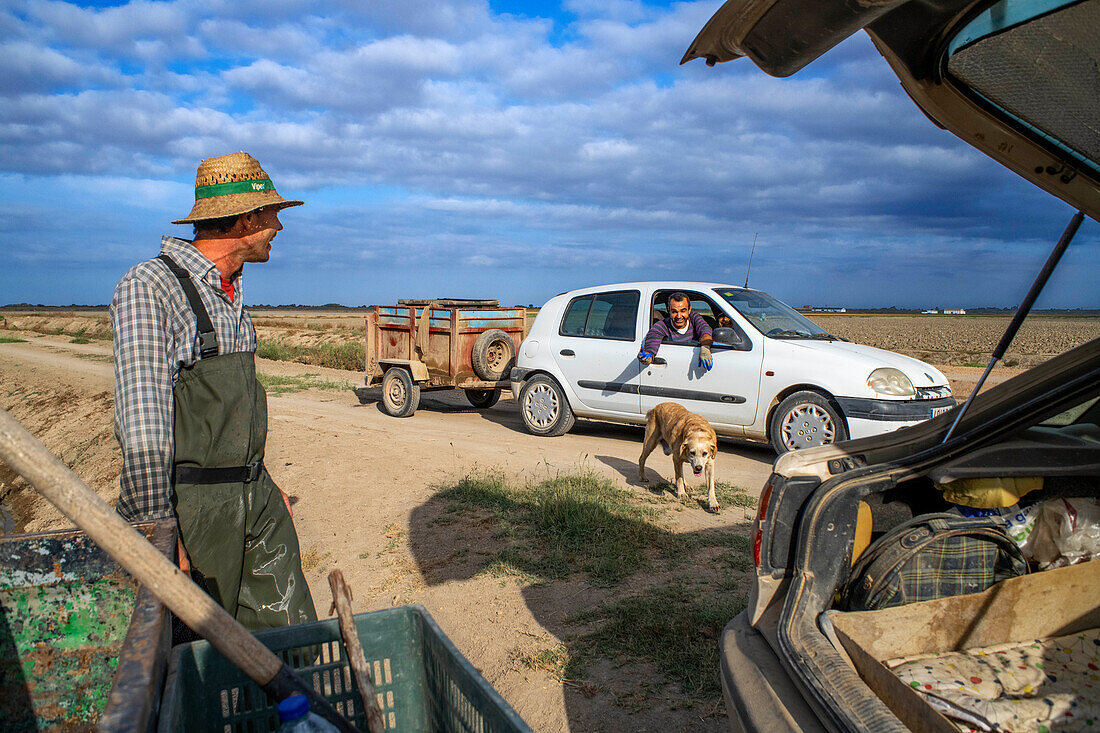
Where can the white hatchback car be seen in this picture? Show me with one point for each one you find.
(777, 376)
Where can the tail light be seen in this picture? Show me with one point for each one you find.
(757, 532)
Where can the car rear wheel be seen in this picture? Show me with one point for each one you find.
(400, 394)
(805, 419)
(544, 407)
(483, 398)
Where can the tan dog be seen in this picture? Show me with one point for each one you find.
(688, 438)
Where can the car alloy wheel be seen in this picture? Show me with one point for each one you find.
(544, 408)
(807, 425)
(804, 420)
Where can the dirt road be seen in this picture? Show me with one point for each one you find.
(363, 484)
(366, 490)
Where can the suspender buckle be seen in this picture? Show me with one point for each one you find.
(254, 470)
(208, 345)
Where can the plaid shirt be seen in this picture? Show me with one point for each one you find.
(155, 334)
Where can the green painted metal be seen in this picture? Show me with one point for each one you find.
(67, 622)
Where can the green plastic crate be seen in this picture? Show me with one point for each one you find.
(424, 682)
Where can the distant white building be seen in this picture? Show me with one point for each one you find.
(930, 312)
(954, 312)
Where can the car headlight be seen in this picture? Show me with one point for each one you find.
(890, 381)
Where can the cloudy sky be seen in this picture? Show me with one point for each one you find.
(512, 150)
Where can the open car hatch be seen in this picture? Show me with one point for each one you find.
(976, 68)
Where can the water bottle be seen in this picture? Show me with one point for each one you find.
(296, 718)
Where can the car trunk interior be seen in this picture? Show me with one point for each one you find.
(1042, 484)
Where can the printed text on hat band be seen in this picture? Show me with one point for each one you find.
(223, 189)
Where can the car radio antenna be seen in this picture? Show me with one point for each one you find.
(1022, 311)
(754, 236)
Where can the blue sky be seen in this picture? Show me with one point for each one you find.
(507, 150)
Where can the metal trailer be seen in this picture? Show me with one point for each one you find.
(423, 345)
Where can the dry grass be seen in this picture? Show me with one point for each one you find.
(964, 340)
(669, 594)
(330, 340)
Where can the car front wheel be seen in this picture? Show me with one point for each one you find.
(805, 419)
(544, 407)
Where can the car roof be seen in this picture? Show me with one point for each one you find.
(656, 285)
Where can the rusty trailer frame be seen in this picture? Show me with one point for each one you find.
(433, 343)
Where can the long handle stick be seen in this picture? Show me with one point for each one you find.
(53, 479)
(341, 601)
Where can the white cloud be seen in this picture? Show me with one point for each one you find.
(608, 149)
(569, 140)
(26, 66)
(117, 28)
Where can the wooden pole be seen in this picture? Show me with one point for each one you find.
(64, 489)
(341, 603)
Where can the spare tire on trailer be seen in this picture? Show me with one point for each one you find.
(493, 355)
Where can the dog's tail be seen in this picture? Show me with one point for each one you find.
(665, 447)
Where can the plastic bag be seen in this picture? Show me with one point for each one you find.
(1020, 525)
(1019, 522)
(1066, 533)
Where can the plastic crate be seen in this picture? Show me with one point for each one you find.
(422, 681)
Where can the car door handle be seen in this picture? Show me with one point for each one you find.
(657, 363)
(567, 352)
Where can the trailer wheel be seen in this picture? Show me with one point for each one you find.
(482, 398)
(400, 394)
(493, 355)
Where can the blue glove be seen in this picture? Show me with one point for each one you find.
(705, 359)
(645, 357)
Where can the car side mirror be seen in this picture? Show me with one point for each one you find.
(729, 337)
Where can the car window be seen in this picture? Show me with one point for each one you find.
(611, 315)
(1076, 414)
(576, 314)
(699, 304)
(1036, 62)
(771, 317)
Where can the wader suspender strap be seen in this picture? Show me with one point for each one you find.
(208, 347)
(208, 338)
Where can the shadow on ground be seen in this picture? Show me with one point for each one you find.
(637, 608)
(444, 400)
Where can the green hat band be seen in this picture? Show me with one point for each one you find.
(223, 189)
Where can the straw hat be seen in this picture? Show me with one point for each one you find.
(232, 184)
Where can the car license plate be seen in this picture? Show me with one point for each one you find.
(938, 411)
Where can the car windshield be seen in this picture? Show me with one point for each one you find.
(772, 317)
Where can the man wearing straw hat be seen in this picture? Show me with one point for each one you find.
(189, 413)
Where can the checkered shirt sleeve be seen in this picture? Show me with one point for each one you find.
(155, 335)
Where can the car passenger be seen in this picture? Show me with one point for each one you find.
(682, 325)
